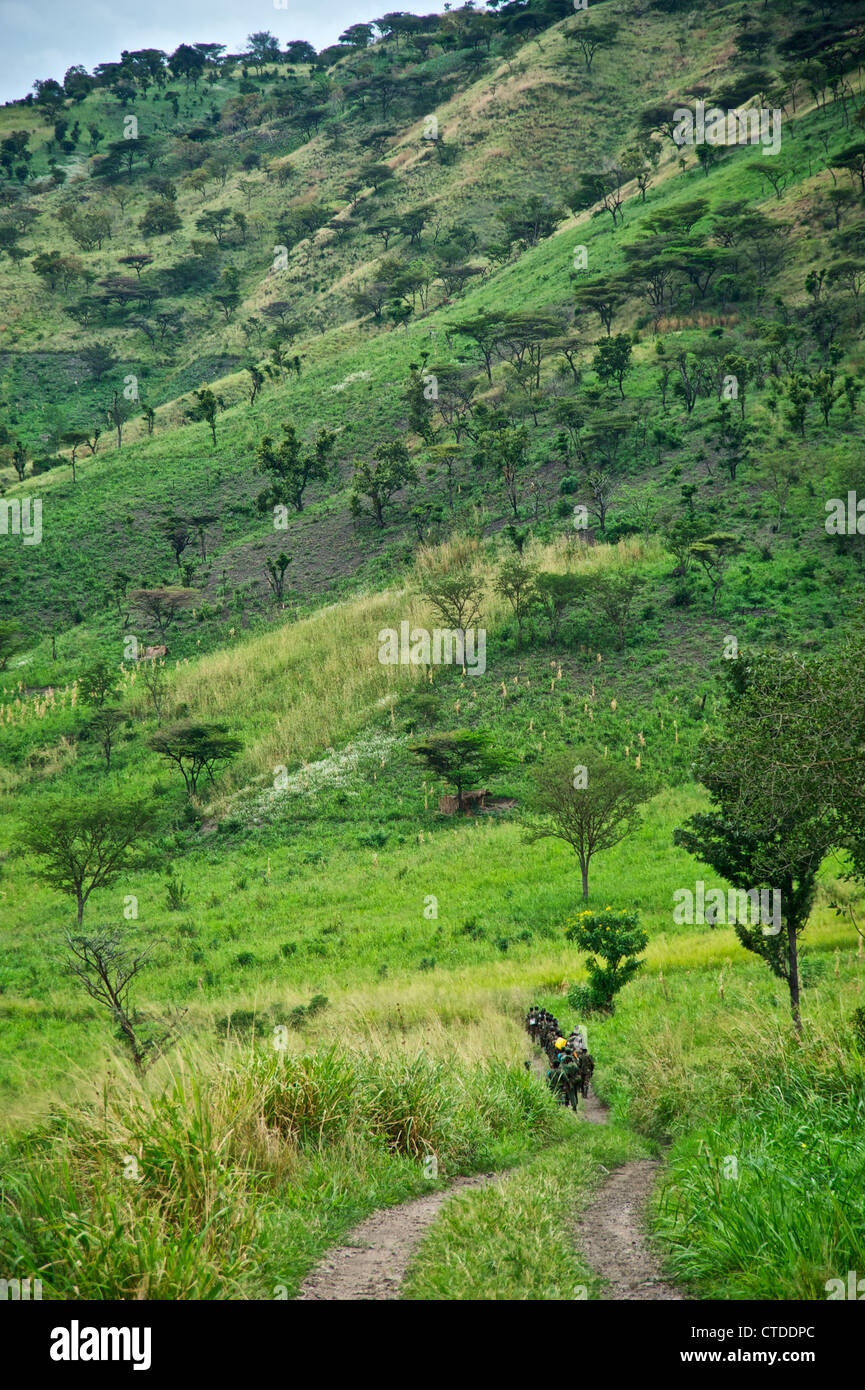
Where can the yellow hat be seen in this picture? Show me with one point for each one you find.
(560, 1043)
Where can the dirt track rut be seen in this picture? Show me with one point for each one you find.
(370, 1267)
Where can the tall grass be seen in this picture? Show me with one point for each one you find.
(769, 1201)
(188, 1190)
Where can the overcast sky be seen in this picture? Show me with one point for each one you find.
(42, 38)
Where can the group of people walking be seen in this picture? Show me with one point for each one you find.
(570, 1063)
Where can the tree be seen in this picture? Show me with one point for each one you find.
(590, 802)
(612, 361)
(263, 48)
(162, 604)
(195, 748)
(84, 843)
(214, 222)
(178, 534)
(589, 37)
(106, 967)
(517, 583)
(103, 725)
(614, 594)
(187, 63)
(456, 598)
(390, 469)
(601, 488)
(12, 640)
(784, 777)
(617, 938)
(713, 553)
(53, 268)
(205, 409)
(99, 683)
(504, 450)
(460, 757)
(292, 467)
(160, 218)
(154, 677)
(275, 573)
(526, 223)
(98, 360)
(118, 413)
(557, 594)
(74, 439)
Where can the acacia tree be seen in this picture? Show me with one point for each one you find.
(84, 843)
(163, 604)
(590, 802)
(195, 748)
(714, 553)
(105, 965)
(456, 598)
(460, 757)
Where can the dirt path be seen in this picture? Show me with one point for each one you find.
(610, 1232)
(610, 1235)
(372, 1265)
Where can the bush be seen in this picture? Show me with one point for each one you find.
(615, 937)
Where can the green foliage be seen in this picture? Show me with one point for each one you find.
(612, 942)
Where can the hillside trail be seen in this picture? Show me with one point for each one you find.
(610, 1230)
(371, 1265)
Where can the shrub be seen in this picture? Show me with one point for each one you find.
(614, 937)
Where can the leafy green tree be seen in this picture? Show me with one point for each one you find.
(590, 802)
(557, 594)
(614, 594)
(377, 480)
(99, 683)
(275, 571)
(612, 361)
(84, 843)
(517, 583)
(460, 758)
(160, 218)
(784, 777)
(503, 448)
(293, 467)
(206, 407)
(457, 598)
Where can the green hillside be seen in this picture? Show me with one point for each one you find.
(439, 324)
